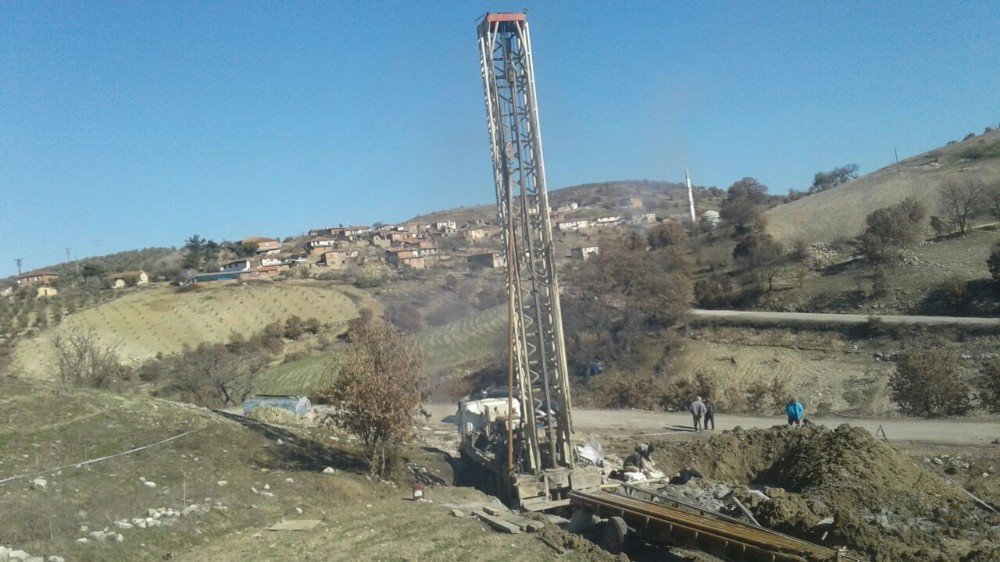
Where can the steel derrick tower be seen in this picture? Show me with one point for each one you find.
(537, 348)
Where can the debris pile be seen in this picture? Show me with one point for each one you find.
(841, 487)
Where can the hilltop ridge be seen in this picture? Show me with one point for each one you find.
(840, 212)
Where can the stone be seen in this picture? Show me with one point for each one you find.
(54, 559)
(17, 555)
(329, 470)
(82, 540)
(123, 525)
(457, 513)
(149, 484)
(222, 483)
(295, 525)
(37, 484)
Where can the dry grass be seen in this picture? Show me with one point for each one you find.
(840, 212)
(43, 426)
(163, 320)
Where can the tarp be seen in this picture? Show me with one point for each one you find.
(298, 405)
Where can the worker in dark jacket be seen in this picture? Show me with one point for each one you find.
(709, 412)
(795, 411)
(697, 411)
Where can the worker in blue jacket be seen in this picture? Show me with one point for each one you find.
(794, 410)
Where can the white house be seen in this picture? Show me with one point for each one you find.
(235, 265)
(584, 252)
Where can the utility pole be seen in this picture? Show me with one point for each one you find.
(19, 260)
(687, 177)
(896, 152)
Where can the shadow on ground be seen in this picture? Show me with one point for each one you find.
(298, 453)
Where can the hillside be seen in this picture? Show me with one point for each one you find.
(213, 491)
(164, 320)
(840, 212)
(666, 199)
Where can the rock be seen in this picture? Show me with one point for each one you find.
(222, 483)
(298, 510)
(82, 540)
(457, 513)
(98, 535)
(491, 510)
(290, 480)
(17, 555)
(149, 484)
(195, 510)
(937, 461)
(267, 486)
(329, 470)
(37, 484)
(54, 559)
(122, 525)
(267, 494)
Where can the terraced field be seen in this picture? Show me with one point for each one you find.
(816, 375)
(163, 320)
(462, 341)
(299, 377)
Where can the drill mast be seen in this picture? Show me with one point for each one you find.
(537, 345)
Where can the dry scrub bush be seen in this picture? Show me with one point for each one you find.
(378, 390)
(81, 359)
(989, 384)
(929, 383)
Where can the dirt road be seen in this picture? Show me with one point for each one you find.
(637, 423)
(754, 316)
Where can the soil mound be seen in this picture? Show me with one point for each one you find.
(882, 502)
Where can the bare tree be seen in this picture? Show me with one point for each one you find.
(81, 359)
(961, 201)
(378, 390)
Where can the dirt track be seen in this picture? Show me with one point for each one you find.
(636, 423)
(784, 318)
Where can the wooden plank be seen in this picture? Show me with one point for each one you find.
(497, 523)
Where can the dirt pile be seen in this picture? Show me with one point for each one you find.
(882, 502)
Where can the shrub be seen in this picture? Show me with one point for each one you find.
(929, 383)
(293, 328)
(379, 387)
(406, 317)
(82, 360)
(989, 384)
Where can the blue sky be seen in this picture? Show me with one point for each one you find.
(126, 125)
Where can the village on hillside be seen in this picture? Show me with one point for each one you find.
(408, 246)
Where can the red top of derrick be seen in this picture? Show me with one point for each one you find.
(505, 17)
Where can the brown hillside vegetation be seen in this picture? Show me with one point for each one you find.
(840, 212)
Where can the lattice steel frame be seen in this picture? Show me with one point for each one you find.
(523, 212)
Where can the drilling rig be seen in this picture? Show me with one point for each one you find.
(525, 437)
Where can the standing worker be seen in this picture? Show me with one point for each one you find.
(697, 411)
(794, 410)
(709, 412)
